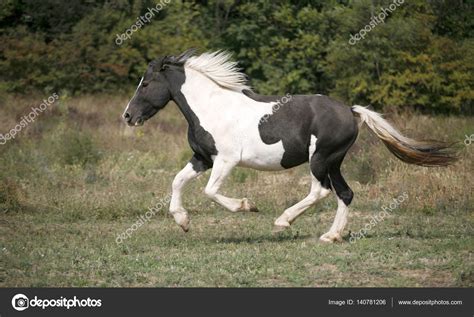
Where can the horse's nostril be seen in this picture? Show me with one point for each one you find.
(126, 115)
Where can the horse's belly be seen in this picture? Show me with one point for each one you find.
(261, 156)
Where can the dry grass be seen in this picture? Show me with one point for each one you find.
(66, 209)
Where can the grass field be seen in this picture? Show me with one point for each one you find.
(76, 178)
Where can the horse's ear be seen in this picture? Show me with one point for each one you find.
(177, 60)
(180, 59)
(167, 60)
(183, 57)
(154, 63)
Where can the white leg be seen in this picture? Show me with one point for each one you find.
(335, 233)
(316, 193)
(220, 170)
(176, 206)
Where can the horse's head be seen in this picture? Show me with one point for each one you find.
(154, 91)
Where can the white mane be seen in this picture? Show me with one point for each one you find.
(218, 67)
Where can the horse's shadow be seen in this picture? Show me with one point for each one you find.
(272, 238)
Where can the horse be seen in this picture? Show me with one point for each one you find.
(230, 125)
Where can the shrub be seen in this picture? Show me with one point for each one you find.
(72, 147)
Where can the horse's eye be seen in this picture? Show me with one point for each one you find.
(145, 83)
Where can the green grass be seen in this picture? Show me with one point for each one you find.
(62, 213)
(225, 249)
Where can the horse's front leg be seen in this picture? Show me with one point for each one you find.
(194, 168)
(220, 170)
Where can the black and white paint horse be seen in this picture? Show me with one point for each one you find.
(229, 126)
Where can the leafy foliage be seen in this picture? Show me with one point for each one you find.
(420, 57)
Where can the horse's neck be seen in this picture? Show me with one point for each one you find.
(195, 97)
(199, 89)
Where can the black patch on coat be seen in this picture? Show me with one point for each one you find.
(295, 121)
(199, 163)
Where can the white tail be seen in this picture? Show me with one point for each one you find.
(425, 153)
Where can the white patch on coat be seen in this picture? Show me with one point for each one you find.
(128, 105)
(233, 120)
(312, 146)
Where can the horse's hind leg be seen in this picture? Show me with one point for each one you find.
(344, 198)
(320, 188)
(220, 170)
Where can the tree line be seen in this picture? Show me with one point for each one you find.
(391, 54)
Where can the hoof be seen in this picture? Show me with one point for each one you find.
(182, 219)
(185, 227)
(185, 224)
(330, 237)
(278, 229)
(248, 206)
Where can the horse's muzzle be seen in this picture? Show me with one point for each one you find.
(128, 118)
